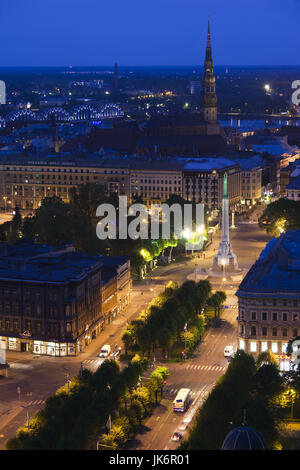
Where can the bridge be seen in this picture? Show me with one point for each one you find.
(79, 113)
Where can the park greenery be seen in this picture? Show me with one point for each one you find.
(280, 216)
(56, 222)
(177, 316)
(77, 415)
(134, 407)
(250, 391)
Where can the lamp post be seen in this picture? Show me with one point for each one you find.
(185, 330)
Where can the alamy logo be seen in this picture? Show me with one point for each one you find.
(136, 221)
(296, 94)
(2, 92)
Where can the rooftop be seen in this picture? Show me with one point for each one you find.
(277, 270)
(32, 262)
(294, 183)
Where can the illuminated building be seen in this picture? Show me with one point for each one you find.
(54, 300)
(269, 299)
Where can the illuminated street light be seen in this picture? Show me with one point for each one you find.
(186, 233)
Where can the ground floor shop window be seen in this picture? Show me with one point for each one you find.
(12, 344)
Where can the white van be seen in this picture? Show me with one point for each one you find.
(105, 350)
(228, 351)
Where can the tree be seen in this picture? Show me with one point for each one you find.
(280, 216)
(267, 357)
(216, 301)
(267, 381)
(53, 223)
(87, 197)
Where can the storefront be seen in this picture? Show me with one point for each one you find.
(12, 344)
(53, 348)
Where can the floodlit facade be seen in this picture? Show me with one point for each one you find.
(54, 301)
(269, 299)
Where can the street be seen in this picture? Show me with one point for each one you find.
(31, 379)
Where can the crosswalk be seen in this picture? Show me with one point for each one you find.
(93, 364)
(174, 391)
(36, 403)
(203, 367)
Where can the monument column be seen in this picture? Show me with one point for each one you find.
(225, 256)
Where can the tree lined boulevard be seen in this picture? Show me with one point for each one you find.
(40, 376)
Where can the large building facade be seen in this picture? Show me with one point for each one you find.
(54, 300)
(269, 299)
(203, 182)
(25, 182)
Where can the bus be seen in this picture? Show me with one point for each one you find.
(182, 400)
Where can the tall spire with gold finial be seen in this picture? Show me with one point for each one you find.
(209, 96)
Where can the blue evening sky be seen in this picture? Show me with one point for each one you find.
(148, 32)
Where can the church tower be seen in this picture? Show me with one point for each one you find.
(209, 96)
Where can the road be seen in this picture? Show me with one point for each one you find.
(39, 376)
(208, 363)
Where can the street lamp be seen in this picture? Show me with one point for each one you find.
(185, 330)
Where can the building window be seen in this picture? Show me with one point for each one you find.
(295, 332)
(264, 346)
(284, 331)
(274, 332)
(253, 315)
(264, 315)
(274, 348)
(242, 344)
(264, 331)
(274, 316)
(295, 316)
(253, 346)
(284, 347)
(253, 330)
(284, 316)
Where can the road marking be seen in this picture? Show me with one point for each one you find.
(36, 402)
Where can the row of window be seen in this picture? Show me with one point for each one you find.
(32, 327)
(274, 316)
(264, 331)
(264, 302)
(276, 348)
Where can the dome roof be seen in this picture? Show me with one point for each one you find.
(244, 438)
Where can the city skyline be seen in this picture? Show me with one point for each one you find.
(90, 34)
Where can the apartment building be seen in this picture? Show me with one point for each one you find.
(269, 299)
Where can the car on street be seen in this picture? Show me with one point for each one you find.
(176, 436)
(105, 350)
(228, 351)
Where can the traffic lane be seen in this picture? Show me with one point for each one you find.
(40, 376)
(157, 432)
(184, 376)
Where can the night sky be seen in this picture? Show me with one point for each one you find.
(148, 32)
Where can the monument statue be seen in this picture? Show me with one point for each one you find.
(225, 260)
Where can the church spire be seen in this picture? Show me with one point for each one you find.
(208, 55)
(209, 97)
